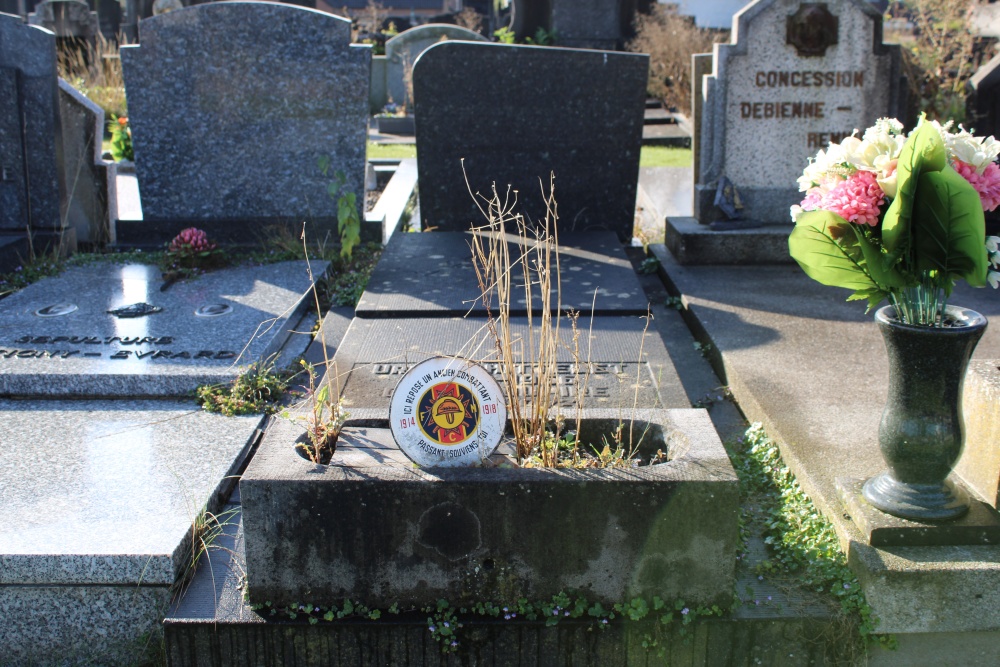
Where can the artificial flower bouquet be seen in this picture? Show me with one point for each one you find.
(900, 217)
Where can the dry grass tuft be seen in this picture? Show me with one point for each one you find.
(96, 71)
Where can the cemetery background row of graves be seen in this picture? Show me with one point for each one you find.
(101, 360)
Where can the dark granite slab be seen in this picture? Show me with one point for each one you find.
(431, 274)
(375, 354)
(980, 526)
(88, 352)
(30, 141)
(517, 113)
(233, 103)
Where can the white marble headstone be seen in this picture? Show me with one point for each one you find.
(796, 76)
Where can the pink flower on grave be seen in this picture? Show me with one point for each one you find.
(857, 198)
(986, 184)
(191, 240)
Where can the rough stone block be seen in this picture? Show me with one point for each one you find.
(473, 534)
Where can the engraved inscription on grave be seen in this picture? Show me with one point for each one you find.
(812, 29)
(144, 347)
(56, 310)
(606, 384)
(214, 310)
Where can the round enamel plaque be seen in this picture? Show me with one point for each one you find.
(447, 412)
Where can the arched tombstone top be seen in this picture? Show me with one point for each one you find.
(794, 77)
(271, 21)
(66, 18)
(403, 50)
(233, 103)
(415, 40)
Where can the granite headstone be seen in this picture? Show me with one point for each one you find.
(515, 114)
(794, 77)
(58, 338)
(85, 173)
(30, 142)
(66, 18)
(587, 24)
(232, 104)
(402, 50)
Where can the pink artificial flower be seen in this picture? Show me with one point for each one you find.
(191, 239)
(857, 199)
(986, 184)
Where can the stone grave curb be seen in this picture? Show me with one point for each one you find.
(297, 553)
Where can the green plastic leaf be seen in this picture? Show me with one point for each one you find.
(949, 229)
(829, 252)
(323, 162)
(883, 272)
(923, 152)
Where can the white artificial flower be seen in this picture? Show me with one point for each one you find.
(977, 152)
(993, 243)
(885, 174)
(796, 211)
(882, 140)
(994, 279)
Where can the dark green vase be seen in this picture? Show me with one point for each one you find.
(922, 432)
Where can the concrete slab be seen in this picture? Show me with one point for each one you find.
(376, 353)
(213, 625)
(431, 274)
(812, 368)
(979, 526)
(57, 338)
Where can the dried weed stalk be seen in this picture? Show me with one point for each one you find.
(528, 364)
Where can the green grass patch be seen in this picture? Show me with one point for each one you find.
(665, 156)
(393, 151)
(802, 543)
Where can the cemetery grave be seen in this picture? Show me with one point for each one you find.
(99, 533)
(794, 77)
(101, 494)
